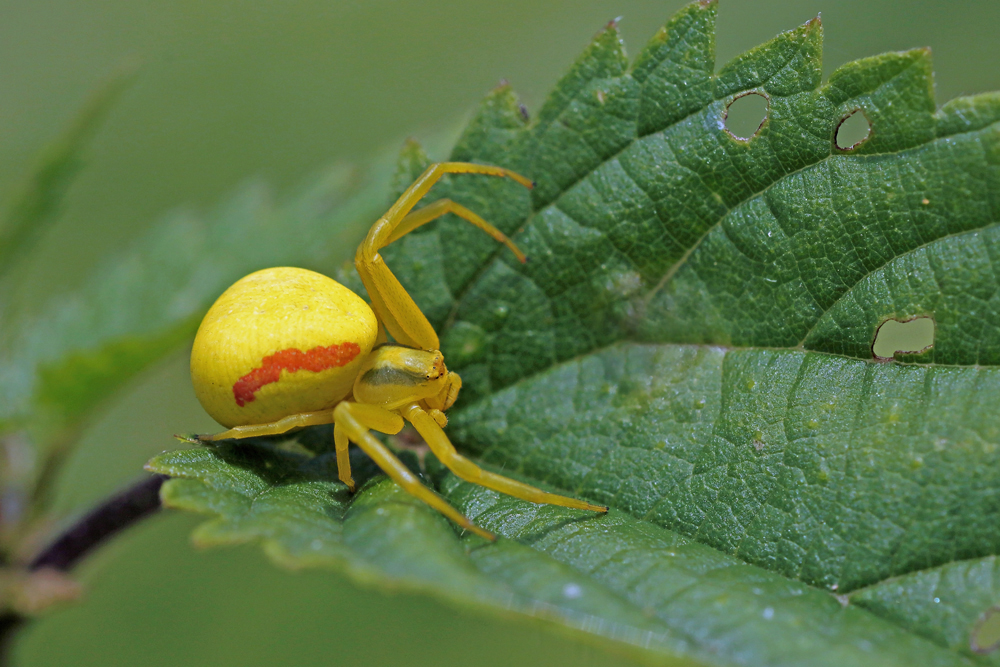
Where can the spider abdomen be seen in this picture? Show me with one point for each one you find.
(279, 342)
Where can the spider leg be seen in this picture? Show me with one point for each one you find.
(273, 428)
(441, 446)
(354, 420)
(373, 417)
(441, 207)
(341, 443)
(392, 304)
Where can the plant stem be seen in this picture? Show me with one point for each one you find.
(110, 517)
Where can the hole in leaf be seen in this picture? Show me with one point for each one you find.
(986, 634)
(746, 115)
(909, 337)
(853, 130)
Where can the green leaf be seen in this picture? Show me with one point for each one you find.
(954, 605)
(644, 590)
(35, 202)
(691, 343)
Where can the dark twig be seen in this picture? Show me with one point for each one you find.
(110, 517)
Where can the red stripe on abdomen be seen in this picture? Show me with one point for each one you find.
(317, 359)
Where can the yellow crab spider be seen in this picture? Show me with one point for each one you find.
(285, 348)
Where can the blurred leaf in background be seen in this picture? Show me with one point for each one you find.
(34, 204)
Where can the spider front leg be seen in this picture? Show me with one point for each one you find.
(394, 307)
(372, 417)
(355, 420)
(439, 443)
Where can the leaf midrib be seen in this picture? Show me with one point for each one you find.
(848, 290)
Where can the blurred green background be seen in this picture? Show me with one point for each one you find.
(230, 89)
